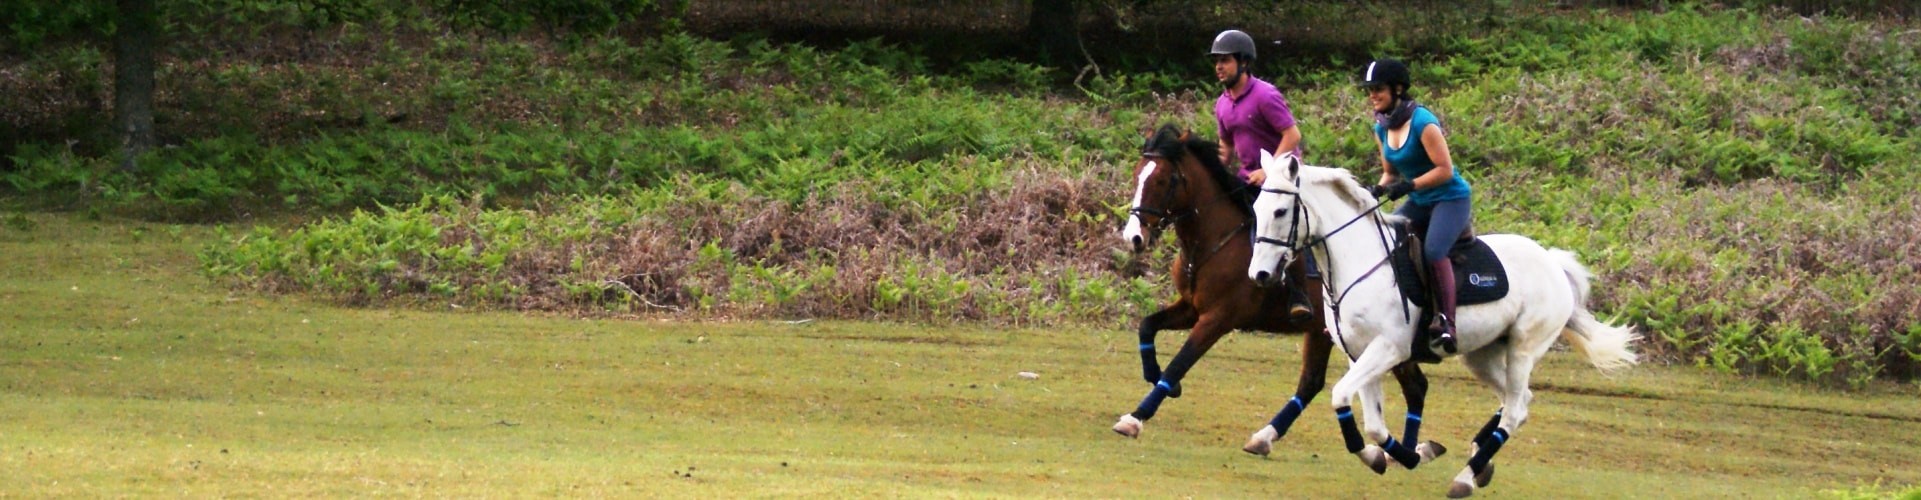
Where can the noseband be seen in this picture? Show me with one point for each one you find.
(1294, 230)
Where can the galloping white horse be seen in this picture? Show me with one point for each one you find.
(1324, 210)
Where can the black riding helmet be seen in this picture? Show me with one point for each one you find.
(1236, 43)
(1386, 73)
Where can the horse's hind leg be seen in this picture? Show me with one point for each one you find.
(1489, 364)
(1512, 367)
(1315, 350)
(1202, 337)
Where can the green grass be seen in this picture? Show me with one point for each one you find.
(124, 372)
(1730, 173)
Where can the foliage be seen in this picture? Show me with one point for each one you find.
(1735, 176)
(33, 25)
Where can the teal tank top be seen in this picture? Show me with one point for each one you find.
(1410, 160)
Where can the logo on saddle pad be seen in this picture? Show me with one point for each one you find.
(1478, 274)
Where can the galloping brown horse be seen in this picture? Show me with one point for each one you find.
(1181, 183)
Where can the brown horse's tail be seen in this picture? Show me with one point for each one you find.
(1607, 347)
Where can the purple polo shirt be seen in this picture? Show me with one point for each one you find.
(1253, 122)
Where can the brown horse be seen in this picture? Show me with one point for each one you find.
(1181, 183)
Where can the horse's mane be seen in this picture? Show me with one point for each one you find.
(1341, 182)
(1171, 143)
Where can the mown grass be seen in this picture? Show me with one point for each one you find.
(126, 373)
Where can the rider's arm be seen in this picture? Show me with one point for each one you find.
(1436, 144)
(1227, 151)
(1290, 139)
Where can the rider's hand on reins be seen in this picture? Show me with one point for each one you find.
(1393, 191)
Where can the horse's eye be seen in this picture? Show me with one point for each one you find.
(1277, 212)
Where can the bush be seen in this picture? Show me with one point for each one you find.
(1740, 191)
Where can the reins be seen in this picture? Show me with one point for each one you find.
(1327, 287)
(1192, 265)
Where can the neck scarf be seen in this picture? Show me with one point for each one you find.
(1401, 112)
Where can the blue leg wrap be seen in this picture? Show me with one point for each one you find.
(1285, 418)
(1492, 424)
(1152, 403)
(1349, 432)
(1413, 434)
(1150, 367)
(1486, 450)
(1402, 453)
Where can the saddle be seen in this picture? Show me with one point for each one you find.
(1479, 278)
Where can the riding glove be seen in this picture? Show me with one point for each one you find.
(1392, 191)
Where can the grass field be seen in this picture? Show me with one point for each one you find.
(123, 372)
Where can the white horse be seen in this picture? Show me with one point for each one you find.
(1324, 210)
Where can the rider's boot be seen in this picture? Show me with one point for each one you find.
(1443, 327)
(1297, 306)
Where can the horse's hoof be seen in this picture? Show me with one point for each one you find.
(1460, 490)
(1374, 458)
(1128, 426)
(1463, 486)
(1429, 451)
(1486, 476)
(1262, 442)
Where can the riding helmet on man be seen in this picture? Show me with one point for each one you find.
(1237, 44)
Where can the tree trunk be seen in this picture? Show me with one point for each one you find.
(133, 68)
(1053, 30)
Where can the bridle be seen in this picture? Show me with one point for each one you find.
(1167, 218)
(1163, 217)
(1294, 228)
(1296, 246)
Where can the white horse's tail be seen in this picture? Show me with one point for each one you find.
(1607, 347)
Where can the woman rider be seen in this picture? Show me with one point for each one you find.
(1415, 161)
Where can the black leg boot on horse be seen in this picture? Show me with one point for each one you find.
(1442, 274)
(1182, 186)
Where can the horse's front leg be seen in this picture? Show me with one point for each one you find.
(1410, 451)
(1207, 330)
(1177, 316)
(1363, 378)
(1375, 426)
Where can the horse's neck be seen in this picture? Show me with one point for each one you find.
(1355, 248)
(1214, 218)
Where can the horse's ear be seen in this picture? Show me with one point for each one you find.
(1293, 166)
(1184, 134)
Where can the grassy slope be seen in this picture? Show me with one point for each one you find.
(125, 373)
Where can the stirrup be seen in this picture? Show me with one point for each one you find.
(1443, 338)
(1298, 307)
(1300, 312)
